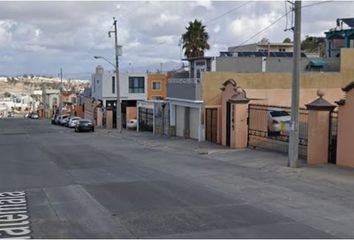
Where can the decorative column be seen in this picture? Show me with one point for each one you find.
(239, 124)
(318, 129)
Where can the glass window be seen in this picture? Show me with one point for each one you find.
(279, 113)
(136, 85)
(156, 85)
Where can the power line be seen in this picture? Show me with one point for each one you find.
(277, 20)
(224, 14)
(264, 29)
(314, 4)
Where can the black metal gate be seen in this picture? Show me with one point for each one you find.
(269, 127)
(332, 143)
(146, 117)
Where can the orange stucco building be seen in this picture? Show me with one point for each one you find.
(156, 86)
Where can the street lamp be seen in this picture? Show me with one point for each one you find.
(100, 57)
(118, 106)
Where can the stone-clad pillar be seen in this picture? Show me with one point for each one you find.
(318, 130)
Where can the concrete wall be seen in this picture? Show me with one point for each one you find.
(161, 118)
(90, 109)
(254, 64)
(345, 135)
(183, 90)
(275, 88)
(347, 60)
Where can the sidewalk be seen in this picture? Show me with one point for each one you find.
(263, 160)
(165, 142)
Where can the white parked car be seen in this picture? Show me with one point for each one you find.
(73, 121)
(278, 121)
(132, 124)
(62, 119)
(34, 116)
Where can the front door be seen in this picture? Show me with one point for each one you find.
(211, 124)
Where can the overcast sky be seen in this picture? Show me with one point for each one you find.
(41, 37)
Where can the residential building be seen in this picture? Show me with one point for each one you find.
(132, 87)
(185, 98)
(156, 86)
(266, 88)
(340, 37)
(263, 46)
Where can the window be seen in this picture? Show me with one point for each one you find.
(156, 85)
(136, 85)
(113, 84)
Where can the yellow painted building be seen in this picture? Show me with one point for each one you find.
(275, 88)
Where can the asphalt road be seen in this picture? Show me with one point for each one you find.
(92, 185)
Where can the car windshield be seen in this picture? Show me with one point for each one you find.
(279, 113)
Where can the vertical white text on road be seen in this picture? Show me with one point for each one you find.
(14, 219)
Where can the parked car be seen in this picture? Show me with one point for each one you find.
(66, 120)
(62, 119)
(132, 124)
(34, 116)
(73, 121)
(278, 121)
(84, 125)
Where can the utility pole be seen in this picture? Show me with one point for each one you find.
(294, 125)
(61, 92)
(118, 106)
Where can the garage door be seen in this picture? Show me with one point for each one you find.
(179, 121)
(193, 123)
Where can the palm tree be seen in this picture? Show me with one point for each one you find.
(195, 40)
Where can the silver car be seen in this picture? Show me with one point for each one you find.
(73, 121)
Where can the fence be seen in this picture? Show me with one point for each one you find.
(332, 148)
(268, 128)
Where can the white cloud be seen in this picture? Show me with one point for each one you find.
(34, 33)
(216, 29)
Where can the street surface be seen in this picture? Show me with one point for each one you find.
(106, 185)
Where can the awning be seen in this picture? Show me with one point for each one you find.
(317, 63)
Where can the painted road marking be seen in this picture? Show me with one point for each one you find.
(14, 219)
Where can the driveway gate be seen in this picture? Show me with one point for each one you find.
(268, 128)
(332, 148)
(146, 117)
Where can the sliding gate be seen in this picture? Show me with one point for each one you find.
(269, 126)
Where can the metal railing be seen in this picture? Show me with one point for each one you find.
(183, 80)
(265, 132)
